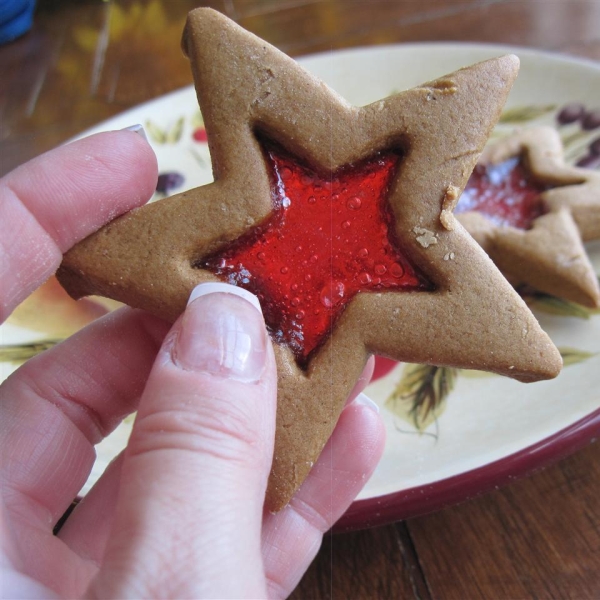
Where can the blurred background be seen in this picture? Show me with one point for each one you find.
(86, 60)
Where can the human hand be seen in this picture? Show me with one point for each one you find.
(180, 512)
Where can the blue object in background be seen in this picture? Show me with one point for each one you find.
(16, 17)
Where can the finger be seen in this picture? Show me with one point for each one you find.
(57, 199)
(292, 537)
(20, 586)
(195, 471)
(57, 405)
(88, 527)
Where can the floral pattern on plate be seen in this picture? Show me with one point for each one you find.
(443, 424)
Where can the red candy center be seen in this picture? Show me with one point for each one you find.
(504, 193)
(327, 239)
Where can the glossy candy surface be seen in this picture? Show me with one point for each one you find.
(328, 238)
(504, 193)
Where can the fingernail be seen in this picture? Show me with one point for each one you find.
(364, 400)
(222, 333)
(137, 128)
(213, 287)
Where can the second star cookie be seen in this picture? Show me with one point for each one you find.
(531, 212)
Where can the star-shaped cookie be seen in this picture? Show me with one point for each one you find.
(276, 132)
(530, 211)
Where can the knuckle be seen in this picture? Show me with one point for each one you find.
(314, 516)
(215, 427)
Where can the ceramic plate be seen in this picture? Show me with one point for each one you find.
(450, 434)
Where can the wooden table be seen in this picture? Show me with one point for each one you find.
(88, 60)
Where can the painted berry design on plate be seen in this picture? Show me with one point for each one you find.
(168, 182)
(592, 159)
(199, 135)
(198, 130)
(591, 120)
(570, 113)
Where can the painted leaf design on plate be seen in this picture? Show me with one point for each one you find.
(168, 135)
(557, 306)
(419, 398)
(174, 133)
(155, 132)
(473, 374)
(522, 114)
(573, 356)
(197, 120)
(574, 138)
(19, 353)
(197, 156)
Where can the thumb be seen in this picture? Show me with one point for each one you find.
(189, 511)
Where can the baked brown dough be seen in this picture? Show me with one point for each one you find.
(148, 258)
(550, 256)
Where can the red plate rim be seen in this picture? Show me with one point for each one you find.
(420, 500)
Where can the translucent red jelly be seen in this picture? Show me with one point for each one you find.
(327, 239)
(504, 193)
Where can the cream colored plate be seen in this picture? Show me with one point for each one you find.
(484, 420)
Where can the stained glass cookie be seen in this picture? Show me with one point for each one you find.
(339, 218)
(531, 212)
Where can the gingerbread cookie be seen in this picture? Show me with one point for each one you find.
(332, 215)
(529, 210)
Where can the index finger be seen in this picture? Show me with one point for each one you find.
(59, 198)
